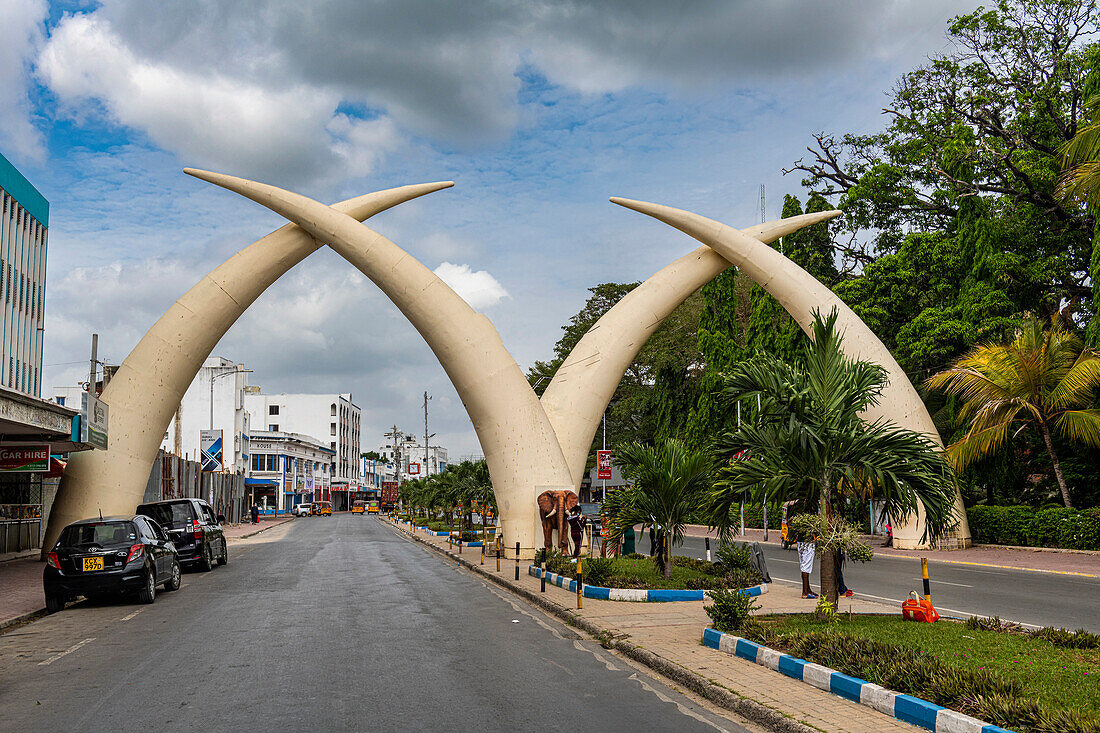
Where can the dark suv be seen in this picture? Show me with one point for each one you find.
(95, 557)
(195, 531)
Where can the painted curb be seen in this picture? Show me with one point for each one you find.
(634, 594)
(905, 708)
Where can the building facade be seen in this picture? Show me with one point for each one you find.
(410, 456)
(23, 226)
(288, 469)
(213, 401)
(332, 419)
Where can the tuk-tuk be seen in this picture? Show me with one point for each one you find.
(784, 530)
(359, 507)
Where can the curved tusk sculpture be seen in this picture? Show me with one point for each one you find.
(148, 387)
(587, 379)
(800, 294)
(519, 443)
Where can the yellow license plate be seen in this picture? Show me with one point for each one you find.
(93, 563)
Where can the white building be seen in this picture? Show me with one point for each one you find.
(213, 401)
(372, 472)
(25, 216)
(288, 469)
(411, 456)
(333, 419)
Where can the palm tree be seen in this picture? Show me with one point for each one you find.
(1080, 179)
(670, 480)
(1044, 379)
(809, 443)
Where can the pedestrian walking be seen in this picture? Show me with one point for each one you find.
(842, 589)
(889, 535)
(255, 513)
(806, 552)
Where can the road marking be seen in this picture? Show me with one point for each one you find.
(68, 651)
(944, 582)
(991, 565)
(779, 559)
(135, 613)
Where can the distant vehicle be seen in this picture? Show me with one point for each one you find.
(193, 528)
(321, 508)
(372, 507)
(358, 507)
(97, 557)
(302, 510)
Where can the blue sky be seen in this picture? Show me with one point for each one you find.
(539, 111)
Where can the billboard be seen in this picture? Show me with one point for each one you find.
(603, 464)
(93, 421)
(389, 492)
(25, 459)
(210, 441)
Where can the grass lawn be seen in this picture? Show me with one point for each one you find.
(1064, 678)
(646, 570)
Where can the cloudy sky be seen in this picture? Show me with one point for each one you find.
(538, 110)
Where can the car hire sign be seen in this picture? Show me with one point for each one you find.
(25, 459)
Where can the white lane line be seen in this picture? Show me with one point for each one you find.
(779, 559)
(944, 582)
(68, 651)
(135, 613)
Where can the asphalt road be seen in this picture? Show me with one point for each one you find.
(1041, 599)
(326, 624)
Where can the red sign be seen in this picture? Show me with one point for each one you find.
(414, 468)
(25, 459)
(603, 464)
(389, 492)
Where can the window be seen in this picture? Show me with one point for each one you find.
(332, 428)
(334, 409)
(273, 428)
(273, 410)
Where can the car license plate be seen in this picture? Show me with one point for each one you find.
(93, 563)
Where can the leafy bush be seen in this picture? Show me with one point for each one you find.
(702, 566)
(729, 609)
(1029, 527)
(1079, 639)
(635, 556)
(734, 556)
(742, 578)
(598, 570)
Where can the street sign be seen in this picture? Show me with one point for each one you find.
(210, 441)
(25, 459)
(603, 464)
(93, 421)
(414, 468)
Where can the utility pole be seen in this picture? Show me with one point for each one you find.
(426, 436)
(396, 454)
(91, 371)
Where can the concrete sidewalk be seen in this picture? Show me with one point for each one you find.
(21, 596)
(667, 637)
(1043, 560)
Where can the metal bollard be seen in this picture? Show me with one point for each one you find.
(924, 575)
(483, 550)
(460, 542)
(542, 574)
(498, 554)
(580, 582)
(707, 543)
(517, 561)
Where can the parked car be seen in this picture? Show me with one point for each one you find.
(302, 510)
(97, 557)
(195, 531)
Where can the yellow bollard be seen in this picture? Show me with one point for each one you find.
(483, 550)
(580, 582)
(924, 575)
(498, 554)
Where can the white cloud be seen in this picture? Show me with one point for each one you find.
(278, 133)
(21, 25)
(479, 289)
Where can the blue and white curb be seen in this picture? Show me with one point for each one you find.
(632, 594)
(903, 707)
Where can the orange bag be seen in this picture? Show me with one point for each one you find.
(915, 608)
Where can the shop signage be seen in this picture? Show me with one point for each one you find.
(93, 421)
(25, 459)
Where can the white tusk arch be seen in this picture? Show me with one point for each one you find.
(520, 446)
(800, 294)
(588, 377)
(144, 393)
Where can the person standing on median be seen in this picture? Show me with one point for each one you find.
(806, 552)
(255, 513)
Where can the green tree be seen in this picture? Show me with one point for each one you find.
(1043, 379)
(669, 483)
(809, 443)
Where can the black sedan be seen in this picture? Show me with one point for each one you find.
(97, 557)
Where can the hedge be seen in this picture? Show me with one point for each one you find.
(1030, 527)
